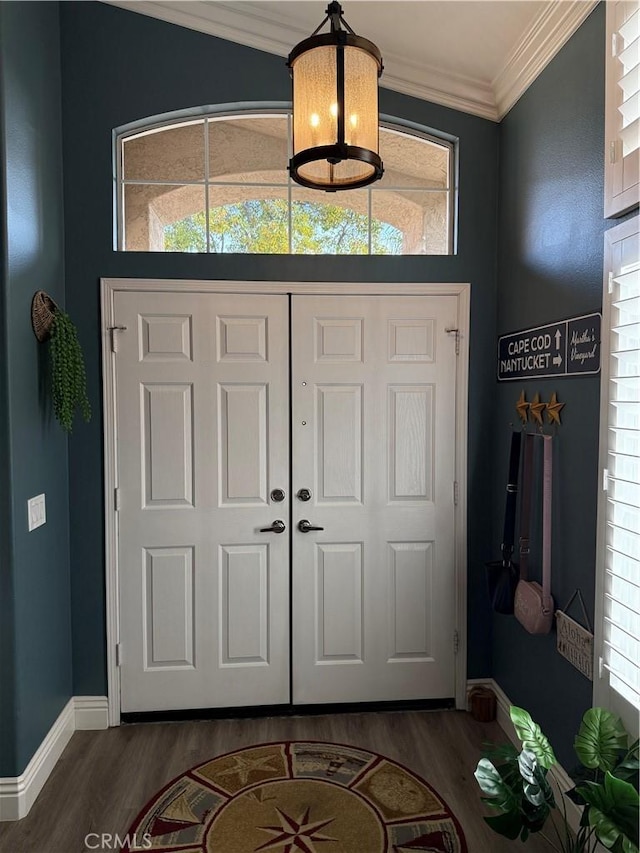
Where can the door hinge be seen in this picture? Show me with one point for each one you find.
(118, 654)
(614, 44)
(456, 642)
(455, 332)
(605, 479)
(610, 284)
(456, 493)
(114, 337)
(116, 499)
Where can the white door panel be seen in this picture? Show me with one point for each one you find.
(202, 420)
(373, 439)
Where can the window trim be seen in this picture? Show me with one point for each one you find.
(253, 109)
(603, 694)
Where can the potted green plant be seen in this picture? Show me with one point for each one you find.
(516, 786)
(68, 377)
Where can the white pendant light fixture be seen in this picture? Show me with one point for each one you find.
(335, 108)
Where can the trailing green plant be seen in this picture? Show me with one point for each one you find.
(517, 787)
(69, 381)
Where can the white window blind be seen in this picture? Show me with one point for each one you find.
(628, 48)
(623, 106)
(620, 605)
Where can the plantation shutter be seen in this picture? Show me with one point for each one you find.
(620, 454)
(623, 107)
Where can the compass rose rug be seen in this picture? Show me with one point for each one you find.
(297, 797)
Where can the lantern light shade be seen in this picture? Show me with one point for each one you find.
(335, 108)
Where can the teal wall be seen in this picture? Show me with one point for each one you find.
(551, 231)
(119, 67)
(538, 260)
(35, 611)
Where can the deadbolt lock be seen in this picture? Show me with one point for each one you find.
(277, 495)
(304, 495)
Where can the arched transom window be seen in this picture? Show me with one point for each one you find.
(219, 183)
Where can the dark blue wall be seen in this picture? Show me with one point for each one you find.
(117, 67)
(7, 679)
(35, 613)
(550, 267)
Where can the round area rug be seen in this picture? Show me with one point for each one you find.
(297, 797)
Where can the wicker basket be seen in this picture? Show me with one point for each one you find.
(482, 703)
(43, 310)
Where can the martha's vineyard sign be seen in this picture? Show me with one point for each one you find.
(566, 348)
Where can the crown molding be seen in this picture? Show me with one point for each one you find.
(244, 24)
(275, 34)
(543, 38)
(439, 86)
(272, 33)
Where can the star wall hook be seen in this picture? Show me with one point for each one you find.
(537, 410)
(522, 407)
(553, 409)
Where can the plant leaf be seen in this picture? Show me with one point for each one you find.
(528, 765)
(575, 796)
(531, 736)
(534, 817)
(613, 810)
(607, 832)
(629, 765)
(508, 824)
(593, 794)
(492, 784)
(68, 376)
(502, 751)
(600, 739)
(626, 812)
(536, 788)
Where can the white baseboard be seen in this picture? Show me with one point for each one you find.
(18, 793)
(91, 712)
(559, 778)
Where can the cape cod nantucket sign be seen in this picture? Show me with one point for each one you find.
(566, 348)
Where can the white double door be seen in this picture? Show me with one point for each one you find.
(221, 400)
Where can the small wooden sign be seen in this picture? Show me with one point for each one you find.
(575, 642)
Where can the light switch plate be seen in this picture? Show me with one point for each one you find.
(36, 512)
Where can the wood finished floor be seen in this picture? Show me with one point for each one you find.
(104, 778)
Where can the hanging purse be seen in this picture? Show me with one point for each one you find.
(502, 575)
(533, 605)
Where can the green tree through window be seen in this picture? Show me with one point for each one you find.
(261, 226)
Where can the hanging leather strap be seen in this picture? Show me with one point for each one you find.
(547, 481)
(512, 496)
(525, 506)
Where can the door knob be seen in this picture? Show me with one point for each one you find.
(304, 495)
(305, 526)
(278, 526)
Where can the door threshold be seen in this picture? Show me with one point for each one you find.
(286, 710)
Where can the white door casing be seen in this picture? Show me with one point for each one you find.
(202, 420)
(408, 558)
(373, 382)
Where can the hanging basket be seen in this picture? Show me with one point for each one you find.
(43, 311)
